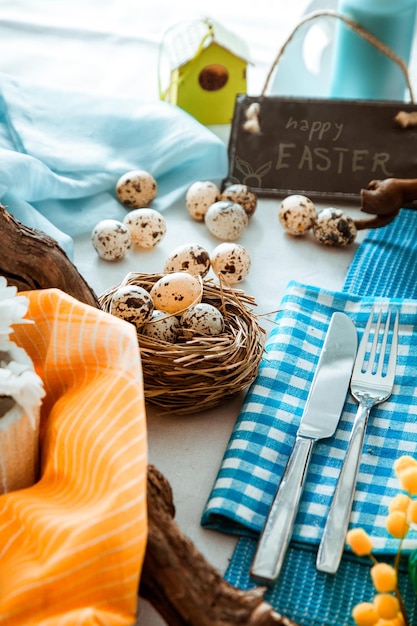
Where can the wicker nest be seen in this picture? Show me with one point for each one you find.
(201, 372)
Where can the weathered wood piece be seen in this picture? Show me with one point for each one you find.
(388, 196)
(384, 199)
(190, 592)
(176, 579)
(30, 259)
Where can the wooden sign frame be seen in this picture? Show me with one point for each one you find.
(322, 148)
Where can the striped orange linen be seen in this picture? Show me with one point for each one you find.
(72, 545)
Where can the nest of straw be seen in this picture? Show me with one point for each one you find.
(204, 371)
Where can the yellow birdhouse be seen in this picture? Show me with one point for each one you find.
(207, 65)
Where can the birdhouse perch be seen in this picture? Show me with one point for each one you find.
(207, 65)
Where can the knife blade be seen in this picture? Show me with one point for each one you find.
(319, 421)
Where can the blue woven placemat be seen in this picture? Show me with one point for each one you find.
(384, 266)
(312, 598)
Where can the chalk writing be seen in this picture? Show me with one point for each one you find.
(316, 129)
(336, 159)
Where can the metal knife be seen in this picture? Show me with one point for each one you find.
(320, 418)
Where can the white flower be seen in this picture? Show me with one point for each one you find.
(12, 309)
(23, 385)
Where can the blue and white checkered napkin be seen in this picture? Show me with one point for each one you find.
(265, 430)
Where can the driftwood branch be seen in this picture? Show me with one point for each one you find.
(385, 198)
(189, 591)
(178, 581)
(30, 259)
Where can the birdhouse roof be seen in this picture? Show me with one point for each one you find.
(184, 41)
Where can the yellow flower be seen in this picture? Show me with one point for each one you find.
(400, 502)
(408, 479)
(386, 605)
(397, 524)
(404, 462)
(384, 577)
(360, 542)
(365, 614)
(412, 512)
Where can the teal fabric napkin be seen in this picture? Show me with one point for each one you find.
(384, 268)
(61, 154)
(265, 431)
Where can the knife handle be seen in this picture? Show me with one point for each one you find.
(279, 524)
(334, 535)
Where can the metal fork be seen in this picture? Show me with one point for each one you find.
(371, 383)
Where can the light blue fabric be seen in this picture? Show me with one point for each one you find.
(265, 430)
(61, 154)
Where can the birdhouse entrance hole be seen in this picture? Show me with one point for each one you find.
(213, 77)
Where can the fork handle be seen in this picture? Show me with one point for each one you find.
(334, 534)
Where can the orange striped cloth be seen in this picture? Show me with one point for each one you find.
(72, 545)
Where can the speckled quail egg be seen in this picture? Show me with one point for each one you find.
(297, 214)
(111, 239)
(243, 195)
(200, 195)
(226, 220)
(147, 227)
(190, 257)
(133, 304)
(231, 262)
(162, 327)
(202, 319)
(175, 292)
(334, 228)
(136, 189)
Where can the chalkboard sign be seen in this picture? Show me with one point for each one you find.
(320, 148)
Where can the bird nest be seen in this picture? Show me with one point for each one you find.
(203, 371)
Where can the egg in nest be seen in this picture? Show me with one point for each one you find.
(202, 319)
(162, 327)
(132, 304)
(175, 292)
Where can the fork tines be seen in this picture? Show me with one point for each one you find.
(374, 343)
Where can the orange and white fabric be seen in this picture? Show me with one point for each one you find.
(72, 545)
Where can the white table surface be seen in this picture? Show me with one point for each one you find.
(121, 55)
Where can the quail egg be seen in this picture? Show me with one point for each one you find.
(111, 239)
(297, 214)
(231, 262)
(334, 228)
(133, 304)
(243, 195)
(147, 227)
(136, 189)
(199, 197)
(175, 292)
(190, 257)
(202, 319)
(162, 327)
(226, 220)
